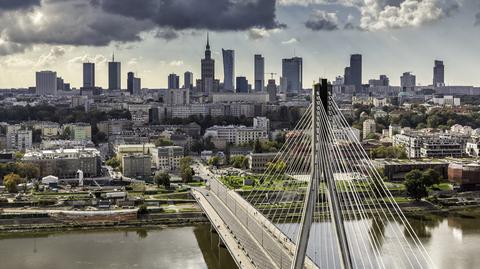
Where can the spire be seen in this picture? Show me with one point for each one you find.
(113, 56)
(208, 42)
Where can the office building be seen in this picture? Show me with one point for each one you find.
(242, 84)
(60, 84)
(259, 73)
(46, 83)
(382, 81)
(272, 90)
(173, 81)
(228, 69)
(88, 75)
(292, 71)
(130, 77)
(114, 75)
(137, 86)
(438, 74)
(353, 73)
(419, 144)
(408, 80)
(188, 80)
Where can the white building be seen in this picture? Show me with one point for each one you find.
(18, 138)
(79, 131)
(46, 83)
(236, 134)
(261, 123)
(369, 127)
(431, 145)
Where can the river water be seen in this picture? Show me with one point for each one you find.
(452, 243)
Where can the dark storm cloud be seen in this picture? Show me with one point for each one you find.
(198, 14)
(477, 19)
(18, 4)
(322, 21)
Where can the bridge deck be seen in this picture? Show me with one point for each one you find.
(244, 249)
(247, 224)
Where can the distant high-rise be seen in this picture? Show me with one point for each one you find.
(242, 84)
(173, 81)
(130, 77)
(188, 80)
(259, 72)
(272, 90)
(356, 71)
(59, 84)
(347, 77)
(438, 74)
(292, 71)
(46, 82)
(88, 75)
(133, 84)
(382, 81)
(114, 75)
(408, 80)
(207, 82)
(228, 69)
(137, 86)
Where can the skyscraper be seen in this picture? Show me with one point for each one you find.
(133, 84)
(46, 82)
(228, 69)
(114, 75)
(188, 80)
(356, 71)
(88, 75)
(259, 72)
(208, 83)
(438, 74)
(347, 77)
(408, 80)
(130, 78)
(173, 81)
(272, 90)
(292, 71)
(242, 85)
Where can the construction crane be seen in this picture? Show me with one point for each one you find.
(271, 74)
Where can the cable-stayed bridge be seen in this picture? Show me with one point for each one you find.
(320, 204)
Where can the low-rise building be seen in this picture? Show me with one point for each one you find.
(167, 158)
(18, 138)
(64, 163)
(137, 166)
(369, 127)
(258, 162)
(467, 176)
(237, 135)
(122, 150)
(79, 131)
(431, 145)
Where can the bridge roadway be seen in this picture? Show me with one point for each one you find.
(256, 238)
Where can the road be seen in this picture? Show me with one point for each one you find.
(244, 242)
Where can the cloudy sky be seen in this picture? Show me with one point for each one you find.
(156, 37)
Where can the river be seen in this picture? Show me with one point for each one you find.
(452, 242)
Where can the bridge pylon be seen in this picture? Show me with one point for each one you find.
(321, 174)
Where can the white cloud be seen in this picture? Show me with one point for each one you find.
(176, 63)
(259, 33)
(50, 58)
(292, 40)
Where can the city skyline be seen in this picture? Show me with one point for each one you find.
(389, 47)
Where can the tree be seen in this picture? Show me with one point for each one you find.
(11, 181)
(186, 172)
(214, 161)
(431, 177)
(28, 170)
(415, 185)
(276, 167)
(163, 142)
(239, 161)
(257, 147)
(67, 133)
(162, 179)
(113, 162)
